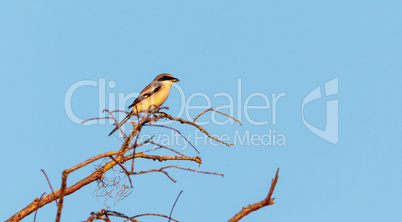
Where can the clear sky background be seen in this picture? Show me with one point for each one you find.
(271, 47)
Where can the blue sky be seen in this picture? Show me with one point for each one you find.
(270, 47)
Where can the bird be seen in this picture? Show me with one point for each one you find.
(151, 97)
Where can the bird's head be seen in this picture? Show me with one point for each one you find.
(166, 77)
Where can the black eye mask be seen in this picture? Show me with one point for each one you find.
(164, 78)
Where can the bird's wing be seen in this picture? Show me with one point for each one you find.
(148, 91)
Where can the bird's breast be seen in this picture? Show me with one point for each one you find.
(155, 100)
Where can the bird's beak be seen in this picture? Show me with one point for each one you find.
(175, 80)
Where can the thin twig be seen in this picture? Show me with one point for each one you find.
(50, 185)
(211, 109)
(162, 146)
(182, 121)
(158, 215)
(137, 145)
(115, 122)
(110, 112)
(149, 124)
(36, 211)
(170, 215)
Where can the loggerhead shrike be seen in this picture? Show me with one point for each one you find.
(151, 97)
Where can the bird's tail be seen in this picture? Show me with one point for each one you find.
(121, 123)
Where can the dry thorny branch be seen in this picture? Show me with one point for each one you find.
(117, 182)
(128, 151)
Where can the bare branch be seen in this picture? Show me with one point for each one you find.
(182, 121)
(211, 109)
(149, 124)
(162, 170)
(196, 159)
(250, 208)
